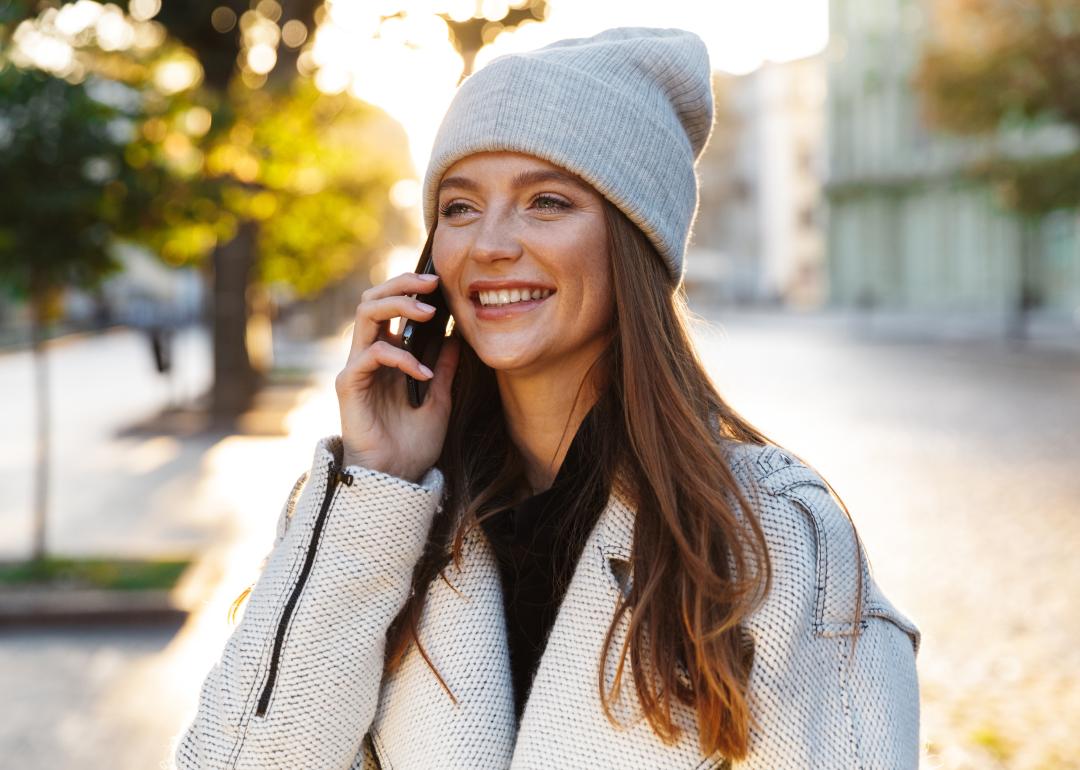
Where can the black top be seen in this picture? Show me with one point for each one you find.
(537, 545)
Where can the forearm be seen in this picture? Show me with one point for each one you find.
(298, 682)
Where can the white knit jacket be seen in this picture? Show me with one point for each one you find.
(301, 682)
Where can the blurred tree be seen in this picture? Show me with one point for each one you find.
(996, 65)
(314, 199)
(58, 145)
(289, 187)
(303, 177)
(65, 128)
(105, 132)
(472, 34)
(235, 41)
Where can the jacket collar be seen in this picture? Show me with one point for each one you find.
(464, 635)
(615, 528)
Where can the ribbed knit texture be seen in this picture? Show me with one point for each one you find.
(629, 110)
(816, 705)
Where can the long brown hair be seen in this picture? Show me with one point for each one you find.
(699, 560)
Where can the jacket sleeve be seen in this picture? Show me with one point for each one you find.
(298, 681)
(819, 700)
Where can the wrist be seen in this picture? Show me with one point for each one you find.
(372, 464)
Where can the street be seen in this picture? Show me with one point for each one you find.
(957, 460)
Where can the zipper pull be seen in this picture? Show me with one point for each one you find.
(344, 477)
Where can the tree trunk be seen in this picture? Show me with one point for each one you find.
(38, 326)
(235, 379)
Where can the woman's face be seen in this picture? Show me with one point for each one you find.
(513, 226)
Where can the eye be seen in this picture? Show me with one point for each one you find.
(551, 203)
(451, 209)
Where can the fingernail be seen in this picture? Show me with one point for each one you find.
(425, 306)
(426, 371)
(427, 276)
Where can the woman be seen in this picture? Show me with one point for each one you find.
(574, 553)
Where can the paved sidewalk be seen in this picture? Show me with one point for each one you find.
(114, 698)
(108, 492)
(123, 482)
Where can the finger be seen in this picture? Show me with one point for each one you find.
(406, 283)
(371, 314)
(382, 353)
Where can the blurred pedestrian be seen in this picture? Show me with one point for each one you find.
(161, 347)
(574, 553)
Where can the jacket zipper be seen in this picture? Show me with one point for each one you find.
(374, 752)
(335, 476)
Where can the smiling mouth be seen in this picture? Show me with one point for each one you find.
(503, 297)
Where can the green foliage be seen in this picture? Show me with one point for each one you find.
(109, 574)
(70, 107)
(997, 65)
(322, 191)
(128, 144)
(57, 147)
(1034, 186)
(313, 170)
(991, 62)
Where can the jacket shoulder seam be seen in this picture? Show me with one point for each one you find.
(781, 475)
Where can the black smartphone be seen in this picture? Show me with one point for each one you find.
(424, 339)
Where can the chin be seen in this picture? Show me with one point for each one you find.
(501, 361)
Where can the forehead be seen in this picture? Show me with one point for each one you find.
(509, 169)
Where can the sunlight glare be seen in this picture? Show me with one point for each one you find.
(144, 10)
(405, 193)
(359, 19)
(43, 51)
(261, 58)
(460, 10)
(114, 32)
(493, 10)
(74, 18)
(177, 74)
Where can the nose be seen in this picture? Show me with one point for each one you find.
(496, 237)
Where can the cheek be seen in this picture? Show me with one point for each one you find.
(597, 269)
(441, 253)
(592, 310)
(599, 302)
(448, 262)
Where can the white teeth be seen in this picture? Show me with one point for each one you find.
(506, 296)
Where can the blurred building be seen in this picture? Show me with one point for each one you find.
(759, 234)
(144, 293)
(907, 234)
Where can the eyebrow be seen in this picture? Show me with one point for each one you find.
(524, 179)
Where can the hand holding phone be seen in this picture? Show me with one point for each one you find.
(381, 429)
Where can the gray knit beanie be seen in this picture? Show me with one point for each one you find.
(628, 110)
